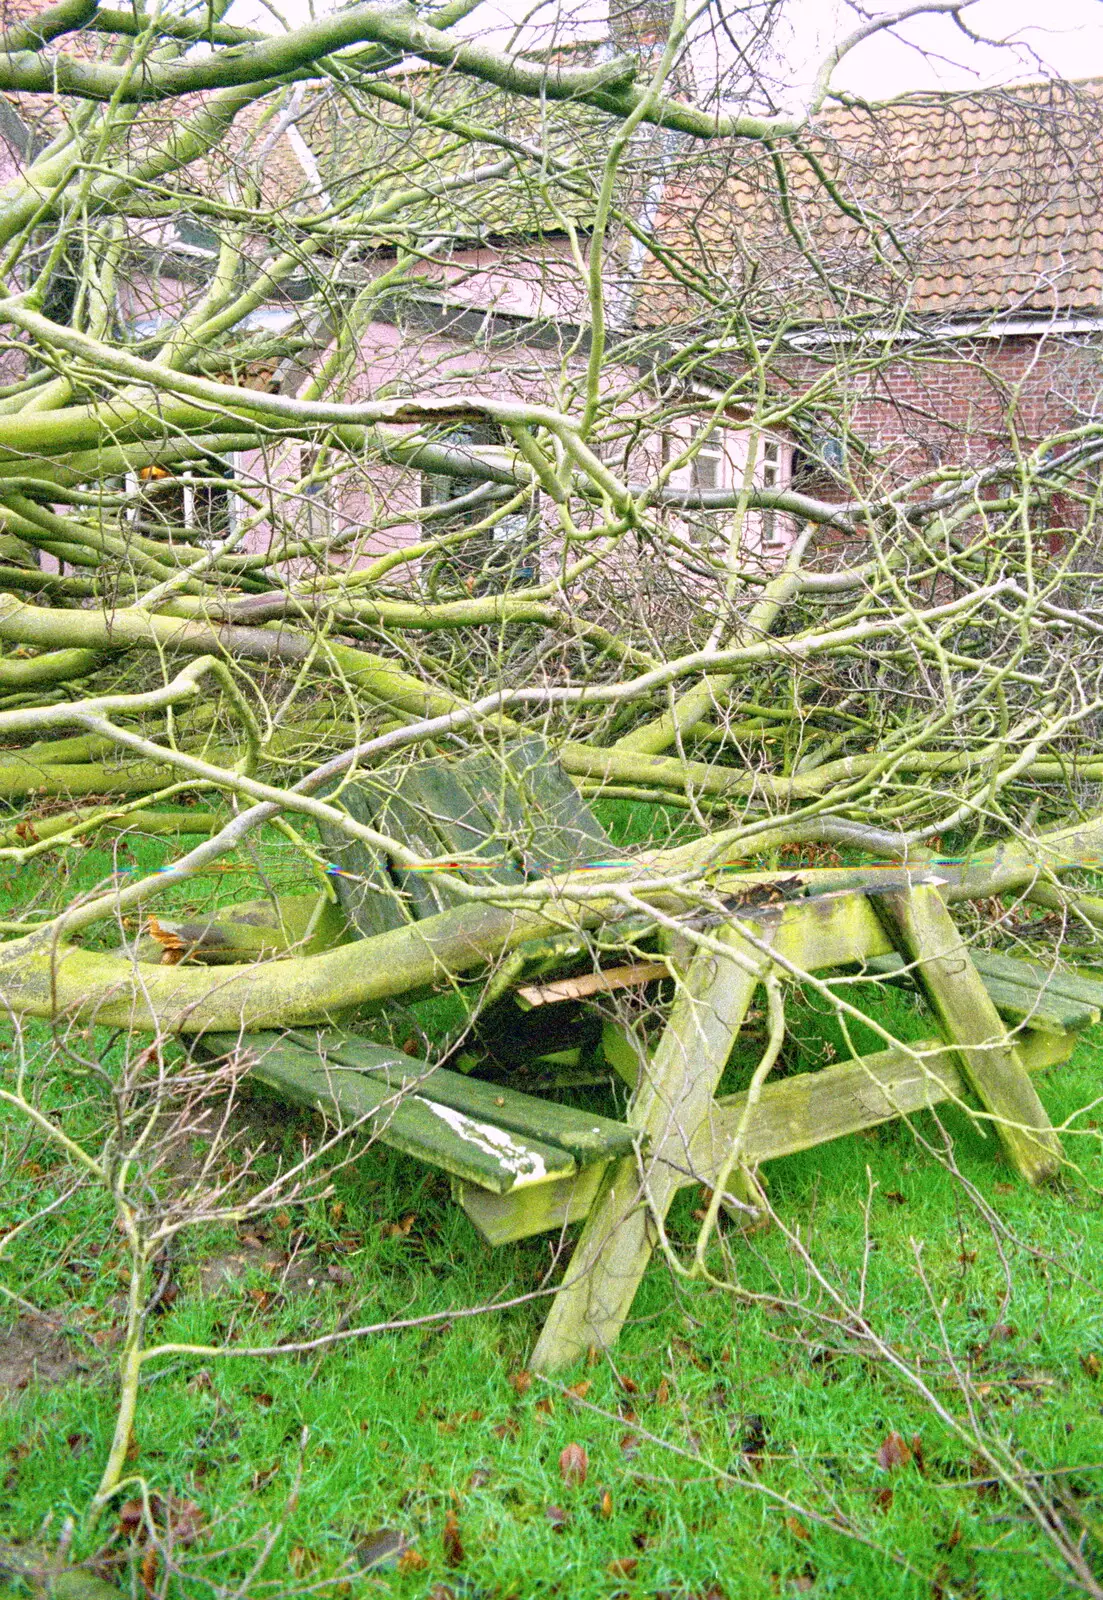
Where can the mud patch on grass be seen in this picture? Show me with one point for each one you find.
(33, 1351)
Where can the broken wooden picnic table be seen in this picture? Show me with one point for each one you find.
(522, 1164)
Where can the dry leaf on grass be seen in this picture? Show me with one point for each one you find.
(574, 1464)
(622, 1567)
(453, 1544)
(894, 1451)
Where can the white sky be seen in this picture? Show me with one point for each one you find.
(1042, 38)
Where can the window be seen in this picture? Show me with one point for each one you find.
(818, 464)
(771, 479)
(191, 502)
(505, 556)
(704, 471)
(317, 497)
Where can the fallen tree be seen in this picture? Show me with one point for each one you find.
(242, 559)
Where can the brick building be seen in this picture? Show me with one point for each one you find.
(939, 262)
(952, 285)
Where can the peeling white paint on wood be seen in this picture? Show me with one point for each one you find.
(526, 1164)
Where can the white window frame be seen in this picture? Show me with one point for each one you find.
(772, 536)
(712, 450)
(133, 487)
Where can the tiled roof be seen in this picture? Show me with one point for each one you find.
(973, 204)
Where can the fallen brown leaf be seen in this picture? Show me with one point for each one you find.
(521, 1382)
(147, 1571)
(453, 1544)
(684, 1348)
(574, 1464)
(797, 1528)
(622, 1566)
(579, 1391)
(130, 1517)
(894, 1451)
(400, 1229)
(300, 1559)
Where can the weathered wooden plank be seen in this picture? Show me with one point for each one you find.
(517, 802)
(587, 983)
(423, 892)
(793, 1114)
(1038, 1008)
(814, 935)
(462, 826)
(918, 922)
(1017, 1000)
(621, 1051)
(562, 807)
(674, 1098)
(543, 1208)
(584, 1135)
(1050, 980)
(368, 895)
(829, 930)
(537, 805)
(475, 1150)
(812, 1108)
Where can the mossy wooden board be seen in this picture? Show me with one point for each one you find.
(1015, 992)
(1050, 979)
(365, 888)
(479, 1152)
(920, 926)
(585, 1135)
(792, 1114)
(510, 806)
(463, 827)
(536, 804)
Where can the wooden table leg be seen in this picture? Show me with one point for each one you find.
(675, 1097)
(923, 931)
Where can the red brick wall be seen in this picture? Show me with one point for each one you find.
(916, 412)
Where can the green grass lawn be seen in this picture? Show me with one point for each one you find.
(738, 1446)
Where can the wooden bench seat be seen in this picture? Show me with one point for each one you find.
(482, 1133)
(521, 1164)
(1025, 993)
